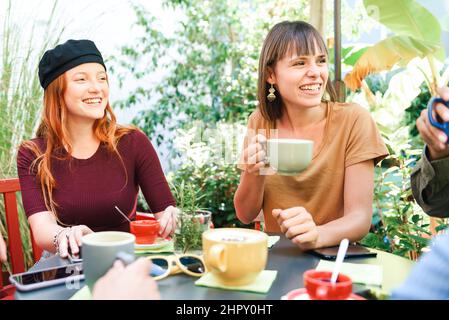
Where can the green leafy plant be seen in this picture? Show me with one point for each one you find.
(187, 197)
(188, 234)
(218, 184)
(192, 219)
(395, 100)
(209, 81)
(399, 225)
(208, 64)
(416, 33)
(208, 177)
(207, 74)
(418, 104)
(208, 161)
(21, 96)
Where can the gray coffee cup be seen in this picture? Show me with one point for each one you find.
(100, 250)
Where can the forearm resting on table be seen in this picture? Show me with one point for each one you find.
(44, 227)
(248, 198)
(353, 227)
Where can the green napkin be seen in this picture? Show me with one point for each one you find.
(260, 285)
(168, 248)
(82, 294)
(367, 274)
(272, 241)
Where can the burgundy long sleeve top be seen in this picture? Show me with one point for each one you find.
(87, 190)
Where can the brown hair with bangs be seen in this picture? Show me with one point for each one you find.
(53, 129)
(284, 38)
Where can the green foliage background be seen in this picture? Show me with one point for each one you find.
(211, 62)
(21, 96)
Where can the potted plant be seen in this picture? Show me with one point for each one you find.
(192, 219)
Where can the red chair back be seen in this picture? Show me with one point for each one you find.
(9, 188)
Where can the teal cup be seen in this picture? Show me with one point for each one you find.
(100, 250)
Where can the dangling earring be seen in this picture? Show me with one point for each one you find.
(271, 97)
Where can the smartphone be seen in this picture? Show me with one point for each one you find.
(28, 281)
(354, 251)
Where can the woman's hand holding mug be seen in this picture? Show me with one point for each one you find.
(254, 155)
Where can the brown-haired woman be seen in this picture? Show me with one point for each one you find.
(332, 198)
(82, 163)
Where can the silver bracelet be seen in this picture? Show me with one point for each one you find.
(55, 239)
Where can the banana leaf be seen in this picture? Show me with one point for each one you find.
(385, 54)
(405, 18)
(352, 57)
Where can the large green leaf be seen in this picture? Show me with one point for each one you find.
(405, 18)
(385, 54)
(353, 57)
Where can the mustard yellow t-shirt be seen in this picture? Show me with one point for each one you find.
(350, 137)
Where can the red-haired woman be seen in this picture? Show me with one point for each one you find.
(82, 163)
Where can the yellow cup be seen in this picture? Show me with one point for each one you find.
(235, 256)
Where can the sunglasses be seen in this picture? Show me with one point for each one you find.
(164, 266)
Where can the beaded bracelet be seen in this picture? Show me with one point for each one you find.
(55, 239)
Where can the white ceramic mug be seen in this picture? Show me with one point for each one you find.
(289, 156)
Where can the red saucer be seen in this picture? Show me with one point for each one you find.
(301, 294)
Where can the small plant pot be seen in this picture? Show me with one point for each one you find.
(189, 231)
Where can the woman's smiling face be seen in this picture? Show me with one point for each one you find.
(87, 92)
(301, 79)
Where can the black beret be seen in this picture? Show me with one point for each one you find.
(66, 56)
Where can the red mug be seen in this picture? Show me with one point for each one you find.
(146, 231)
(319, 287)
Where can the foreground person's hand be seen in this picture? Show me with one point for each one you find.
(132, 282)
